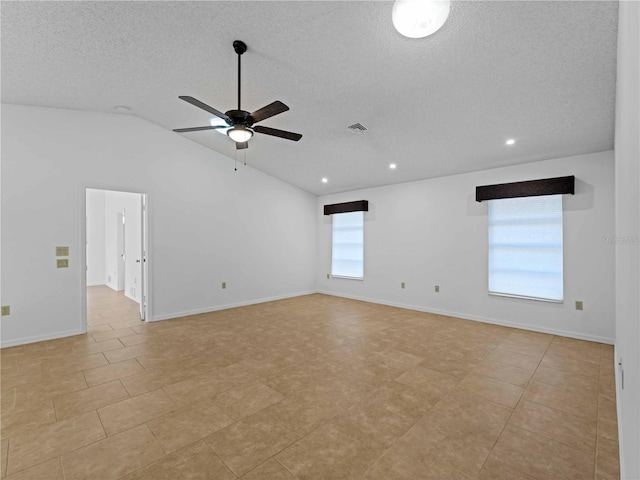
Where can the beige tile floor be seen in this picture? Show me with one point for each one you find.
(314, 387)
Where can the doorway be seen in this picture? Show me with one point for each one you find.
(116, 255)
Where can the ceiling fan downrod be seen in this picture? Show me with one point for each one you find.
(240, 47)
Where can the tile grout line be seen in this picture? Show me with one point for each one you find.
(342, 412)
(61, 467)
(97, 441)
(595, 460)
(284, 466)
(6, 463)
(562, 411)
(514, 408)
(218, 456)
(413, 424)
(423, 416)
(397, 439)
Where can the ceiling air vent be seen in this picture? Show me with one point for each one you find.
(357, 128)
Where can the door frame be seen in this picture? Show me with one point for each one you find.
(147, 244)
(122, 266)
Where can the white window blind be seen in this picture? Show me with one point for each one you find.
(347, 253)
(525, 247)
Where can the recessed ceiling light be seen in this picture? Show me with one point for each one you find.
(419, 18)
(392, 166)
(324, 180)
(511, 141)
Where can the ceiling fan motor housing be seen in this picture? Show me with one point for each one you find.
(240, 117)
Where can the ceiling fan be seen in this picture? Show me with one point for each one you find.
(240, 122)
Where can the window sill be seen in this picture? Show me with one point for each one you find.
(548, 300)
(348, 278)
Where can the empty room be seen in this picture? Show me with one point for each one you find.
(320, 240)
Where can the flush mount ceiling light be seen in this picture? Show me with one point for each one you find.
(511, 141)
(419, 18)
(325, 180)
(392, 166)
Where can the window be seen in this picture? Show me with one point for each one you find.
(347, 254)
(525, 247)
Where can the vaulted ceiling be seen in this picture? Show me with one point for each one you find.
(542, 73)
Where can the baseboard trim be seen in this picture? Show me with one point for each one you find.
(131, 298)
(41, 338)
(155, 318)
(493, 321)
(198, 311)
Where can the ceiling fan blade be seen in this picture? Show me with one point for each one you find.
(195, 129)
(278, 133)
(269, 111)
(242, 145)
(197, 103)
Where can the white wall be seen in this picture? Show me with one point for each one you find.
(103, 207)
(433, 232)
(95, 238)
(112, 247)
(208, 224)
(129, 204)
(627, 158)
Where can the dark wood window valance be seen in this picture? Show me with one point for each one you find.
(530, 188)
(357, 206)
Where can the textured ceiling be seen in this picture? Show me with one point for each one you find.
(540, 72)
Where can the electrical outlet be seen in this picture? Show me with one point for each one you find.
(62, 263)
(62, 251)
(328, 276)
(224, 285)
(402, 285)
(579, 305)
(437, 288)
(6, 310)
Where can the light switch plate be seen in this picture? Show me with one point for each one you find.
(62, 263)
(437, 288)
(224, 285)
(402, 285)
(62, 251)
(6, 310)
(579, 305)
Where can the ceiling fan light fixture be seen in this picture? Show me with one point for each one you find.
(419, 18)
(240, 134)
